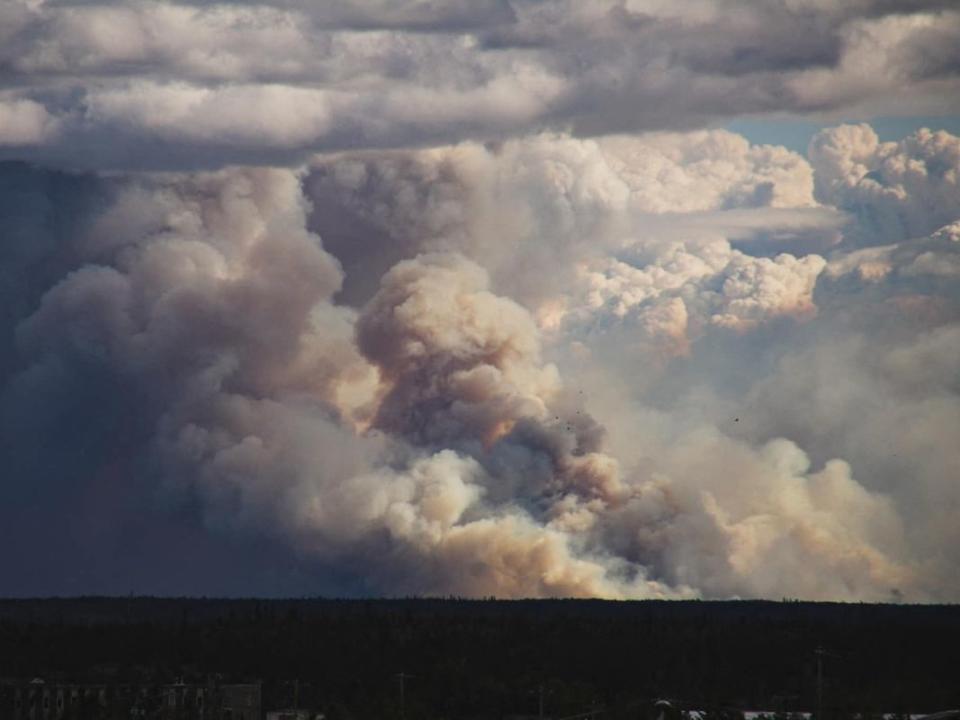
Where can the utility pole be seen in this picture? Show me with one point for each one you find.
(540, 689)
(819, 653)
(403, 677)
(296, 695)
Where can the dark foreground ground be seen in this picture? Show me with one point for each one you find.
(491, 659)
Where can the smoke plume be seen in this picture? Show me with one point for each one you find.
(475, 298)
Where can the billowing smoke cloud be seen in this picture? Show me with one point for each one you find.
(218, 317)
(897, 190)
(642, 225)
(376, 297)
(422, 437)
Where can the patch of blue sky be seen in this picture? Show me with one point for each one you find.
(795, 134)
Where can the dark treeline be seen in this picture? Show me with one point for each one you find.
(477, 659)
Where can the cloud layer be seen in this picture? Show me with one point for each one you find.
(178, 85)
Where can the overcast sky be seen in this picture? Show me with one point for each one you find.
(525, 298)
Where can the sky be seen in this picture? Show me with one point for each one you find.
(517, 298)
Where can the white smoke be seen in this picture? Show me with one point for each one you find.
(425, 439)
(594, 212)
(897, 190)
(220, 316)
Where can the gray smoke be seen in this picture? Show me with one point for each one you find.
(420, 297)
